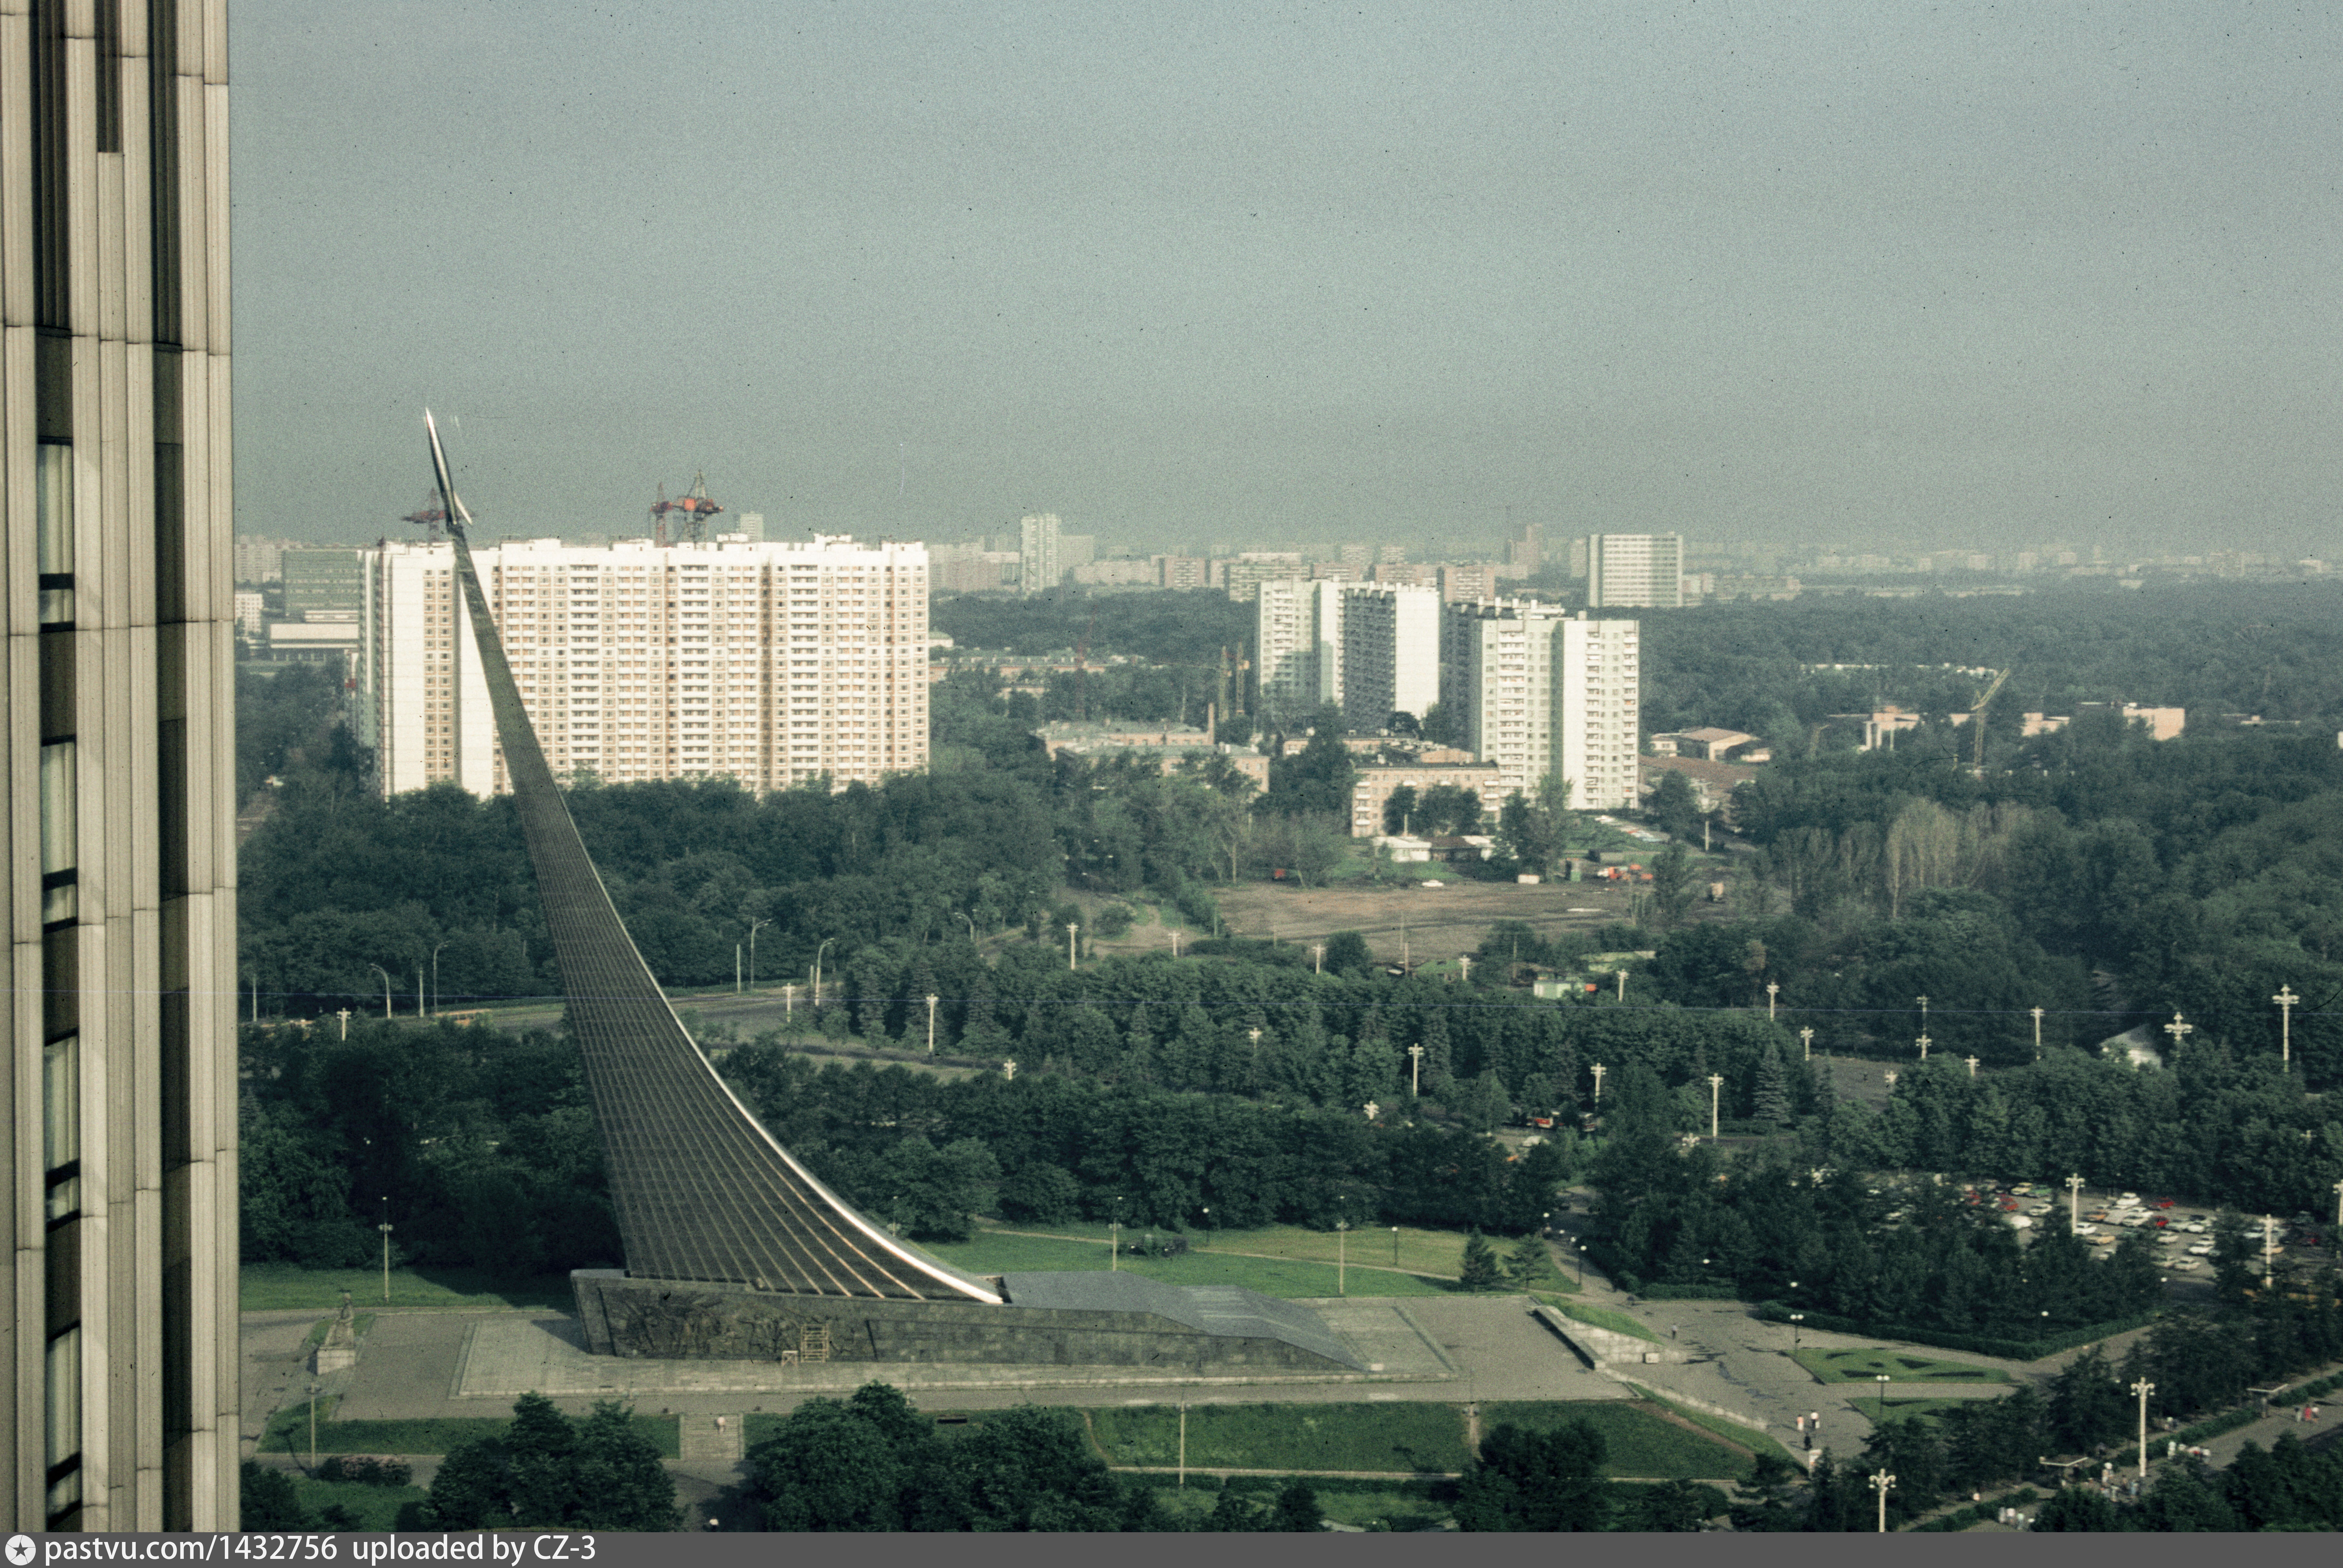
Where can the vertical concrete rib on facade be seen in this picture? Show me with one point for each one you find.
(702, 1190)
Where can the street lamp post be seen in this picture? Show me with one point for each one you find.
(2269, 1248)
(1716, 1088)
(434, 977)
(1318, 957)
(1973, 1065)
(1882, 1378)
(345, 1016)
(735, 969)
(2143, 1387)
(1582, 1262)
(1599, 1070)
(932, 1023)
(755, 926)
(1924, 1042)
(1796, 1319)
(418, 987)
(385, 987)
(2074, 1205)
(1465, 962)
(1415, 1071)
(789, 1002)
(1071, 927)
(2285, 999)
(1807, 1038)
(817, 970)
(1773, 989)
(1395, 1246)
(1881, 1482)
(313, 1427)
(1342, 1258)
(2037, 1034)
(1114, 1237)
(1622, 983)
(384, 1228)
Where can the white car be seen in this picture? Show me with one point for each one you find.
(2201, 1250)
(2039, 1209)
(2086, 1230)
(2130, 1201)
(2166, 1239)
(2195, 1227)
(2020, 1222)
(2182, 1263)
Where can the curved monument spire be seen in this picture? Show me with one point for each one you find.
(703, 1192)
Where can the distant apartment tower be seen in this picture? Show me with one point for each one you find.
(1040, 563)
(776, 664)
(1543, 690)
(122, 1355)
(1184, 571)
(1390, 652)
(1634, 572)
(324, 584)
(1298, 629)
(259, 560)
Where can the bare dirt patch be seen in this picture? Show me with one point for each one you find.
(1429, 923)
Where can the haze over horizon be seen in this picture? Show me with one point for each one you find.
(1965, 277)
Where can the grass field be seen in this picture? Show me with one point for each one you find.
(992, 1252)
(1864, 1366)
(1436, 1253)
(288, 1433)
(1748, 1437)
(377, 1507)
(1404, 1436)
(1639, 1440)
(1604, 1318)
(270, 1287)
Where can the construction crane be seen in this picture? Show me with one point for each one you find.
(695, 506)
(428, 516)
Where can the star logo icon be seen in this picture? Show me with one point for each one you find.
(20, 1550)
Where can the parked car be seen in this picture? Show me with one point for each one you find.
(2195, 1227)
(2201, 1250)
(2184, 1263)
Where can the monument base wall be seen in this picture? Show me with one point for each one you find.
(696, 1321)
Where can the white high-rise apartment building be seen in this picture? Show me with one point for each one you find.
(1390, 652)
(776, 664)
(1634, 572)
(1543, 690)
(1041, 562)
(1298, 638)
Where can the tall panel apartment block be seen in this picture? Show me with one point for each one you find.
(1391, 652)
(118, 739)
(1543, 690)
(1634, 572)
(776, 664)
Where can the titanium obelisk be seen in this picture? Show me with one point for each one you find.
(703, 1193)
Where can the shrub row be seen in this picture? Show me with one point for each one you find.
(1666, 1292)
(365, 1469)
(1975, 1345)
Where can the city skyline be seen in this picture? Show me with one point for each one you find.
(1424, 275)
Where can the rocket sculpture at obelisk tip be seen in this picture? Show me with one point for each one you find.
(703, 1192)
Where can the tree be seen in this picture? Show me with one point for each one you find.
(269, 1501)
(1347, 953)
(1672, 884)
(1673, 807)
(1480, 1270)
(1318, 781)
(1399, 808)
(597, 1473)
(1527, 1481)
(1297, 1509)
(1527, 832)
(828, 1468)
(1232, 1514)
(1529, 1261)
(1773, 1093)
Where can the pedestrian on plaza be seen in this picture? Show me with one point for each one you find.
(1672, 1331)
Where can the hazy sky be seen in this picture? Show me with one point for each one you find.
(1270, 273)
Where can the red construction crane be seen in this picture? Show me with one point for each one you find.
(428, 518)
(695, 506)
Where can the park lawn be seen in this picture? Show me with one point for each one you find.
(1901, 1366)
(1398, 1435)
(377, 1507)
(1748, 1437)
(288, 1433)
(1638, 1441)
(271, 1287)
(1603, 1318)
(992, 1252)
